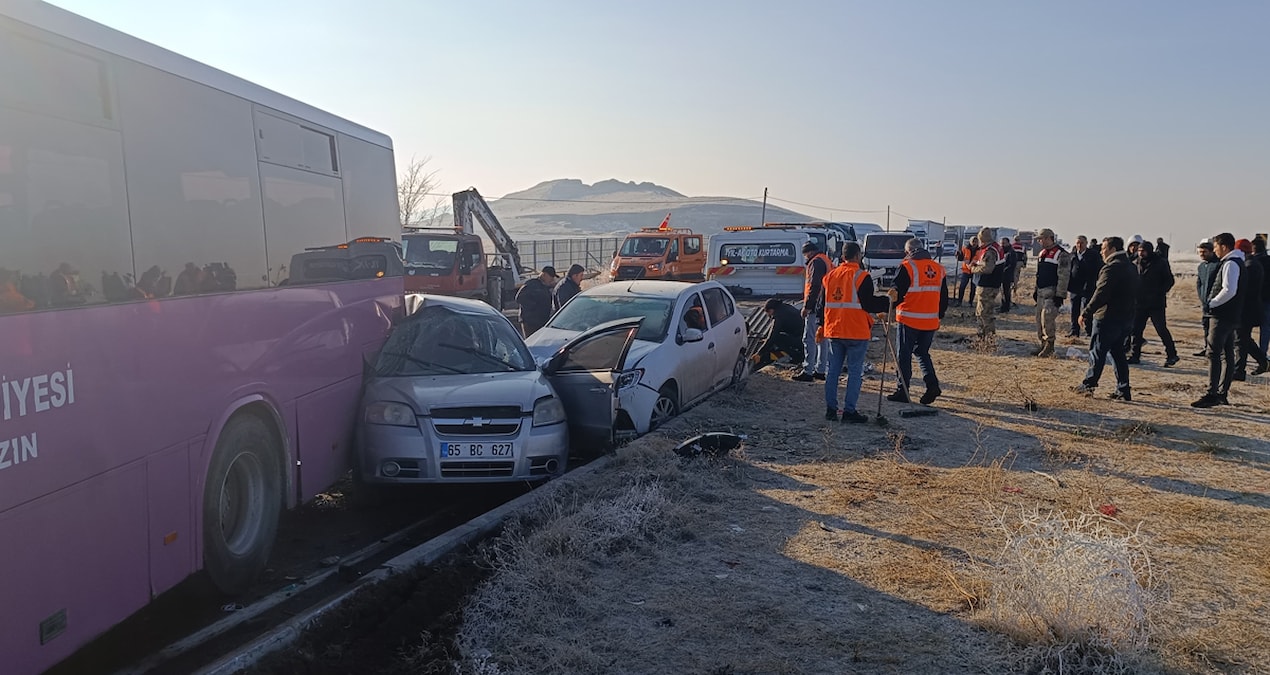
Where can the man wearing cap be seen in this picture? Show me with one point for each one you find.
(1053, 266)
(1205, 277)
(988, 272)
(568, 287)
(1245, 346)
(921, 296)
(817, 355)
(1226, 304)
(534, 299)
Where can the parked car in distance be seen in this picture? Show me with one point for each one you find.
(950, 248)
(690, 343)
(456, 396)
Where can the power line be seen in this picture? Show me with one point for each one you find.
(825, 208)
(673, 200)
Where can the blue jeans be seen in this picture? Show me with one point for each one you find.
(1109, 337)
(852, 352)
(915, 342)
(817, 355)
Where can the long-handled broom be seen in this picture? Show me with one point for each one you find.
(880, 420)
(912, 410)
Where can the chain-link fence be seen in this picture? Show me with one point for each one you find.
(594, 253)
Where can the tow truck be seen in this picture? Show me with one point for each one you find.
(663, 252)
(453, 260)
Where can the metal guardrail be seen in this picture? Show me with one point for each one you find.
(592, 252)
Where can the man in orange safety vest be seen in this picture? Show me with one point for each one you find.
(848, 302)
(920, 294)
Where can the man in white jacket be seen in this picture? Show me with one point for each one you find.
(1226, 305)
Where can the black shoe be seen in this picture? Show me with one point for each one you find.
(831, 414)
(898, 397)
(1261, 369)
(1239, 377)
(1171, 361)
(818, 376)
(1134, 360)
(854, 418)
(1210, 400)
(1074, 334)
(1119, 396)
(1202, 352)
(804, 377)
(932, 393)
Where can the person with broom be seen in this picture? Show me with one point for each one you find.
(920, 295)
(848, 303)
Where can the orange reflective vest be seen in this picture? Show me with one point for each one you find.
(967, 255)
(808, 300)
(920, 309)
(845, 318)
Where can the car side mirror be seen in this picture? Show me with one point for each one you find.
(693, 335)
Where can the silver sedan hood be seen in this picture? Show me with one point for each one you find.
(423, 392)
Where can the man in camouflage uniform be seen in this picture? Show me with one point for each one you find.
(1053, 267)
(988, 272)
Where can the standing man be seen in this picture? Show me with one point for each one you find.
(1157, 281)
(1162, 248)
(848, 301)
(1205, 277)
(1225, 303)
(1081, 280)
(1009, 273)
(1253, 314)
(817, 354)
(568, 287)
(786, 334)
(1259, 256)
(988, 272)
(1110, 312)
(1053, 267)
(921, 296)
(534, 299)
(966, 255)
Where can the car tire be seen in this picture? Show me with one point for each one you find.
(665, 408)
(740, 369)
(242, 502)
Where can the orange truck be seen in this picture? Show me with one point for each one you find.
(671, 254)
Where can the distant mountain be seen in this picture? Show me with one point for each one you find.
(570, 208)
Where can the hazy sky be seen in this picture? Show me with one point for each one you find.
(1089, 116)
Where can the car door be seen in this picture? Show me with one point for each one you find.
(728, 335)
(585, 372)
(695, 353)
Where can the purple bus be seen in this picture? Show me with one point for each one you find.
(168, 382)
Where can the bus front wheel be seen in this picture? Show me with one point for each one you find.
(242, 502)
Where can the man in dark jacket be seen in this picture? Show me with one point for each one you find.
(1110, 312)
(785, 335)
(568, 287)
(1084, 276)
(1225, 303)
(815, 353)
(1010, 271)
(1162, 248)
(1259, 256)
(1205, 277)
(1156, 282)
(1253, 313)
(534, 299)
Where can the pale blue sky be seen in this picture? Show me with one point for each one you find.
(1111, 117)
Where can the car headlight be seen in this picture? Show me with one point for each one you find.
(629, 378)
(654, 267)
(548, 410)
(395, 414)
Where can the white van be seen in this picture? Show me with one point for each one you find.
(758, 260)
(882, 255)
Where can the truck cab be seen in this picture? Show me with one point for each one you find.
(671, 254)
(448, 261)
(359, 259)
(883, 252)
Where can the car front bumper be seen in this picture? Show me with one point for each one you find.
(412, 455)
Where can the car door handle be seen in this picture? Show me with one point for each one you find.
(737, 331)
(710, 346)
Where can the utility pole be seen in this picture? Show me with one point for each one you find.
(888, 217)
(763, 219)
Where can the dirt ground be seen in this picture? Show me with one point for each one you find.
(1025, 528)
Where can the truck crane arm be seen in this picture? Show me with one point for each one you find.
(469, 205)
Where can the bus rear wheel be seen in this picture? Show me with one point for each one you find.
(242, 502)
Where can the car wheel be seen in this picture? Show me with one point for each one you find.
(665, 408)
(740, 369)
(242, 501)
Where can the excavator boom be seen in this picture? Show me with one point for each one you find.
(469, 206)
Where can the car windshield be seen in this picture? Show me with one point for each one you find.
(585, 312)
(644, 247)
(439, 341)
(885, 246)
(430, 252)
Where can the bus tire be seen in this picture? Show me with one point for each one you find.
(494, 292)
(242, 502)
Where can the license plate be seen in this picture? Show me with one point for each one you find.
(477, 450)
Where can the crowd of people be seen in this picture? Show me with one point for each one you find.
(546, 293)
(1114, 292)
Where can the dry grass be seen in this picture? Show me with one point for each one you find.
(974, 541)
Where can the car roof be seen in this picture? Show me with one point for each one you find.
(648, 288)
(417, 301)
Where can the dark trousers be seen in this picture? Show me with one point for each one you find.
(915, 342)
(1079, 302)
(1108, 339)
(1207, 322)
(781, 342)
(1006, 284)
(1245, 348)
(529, 325)
(1158, 320)
(962, 283)
(1221, 355)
